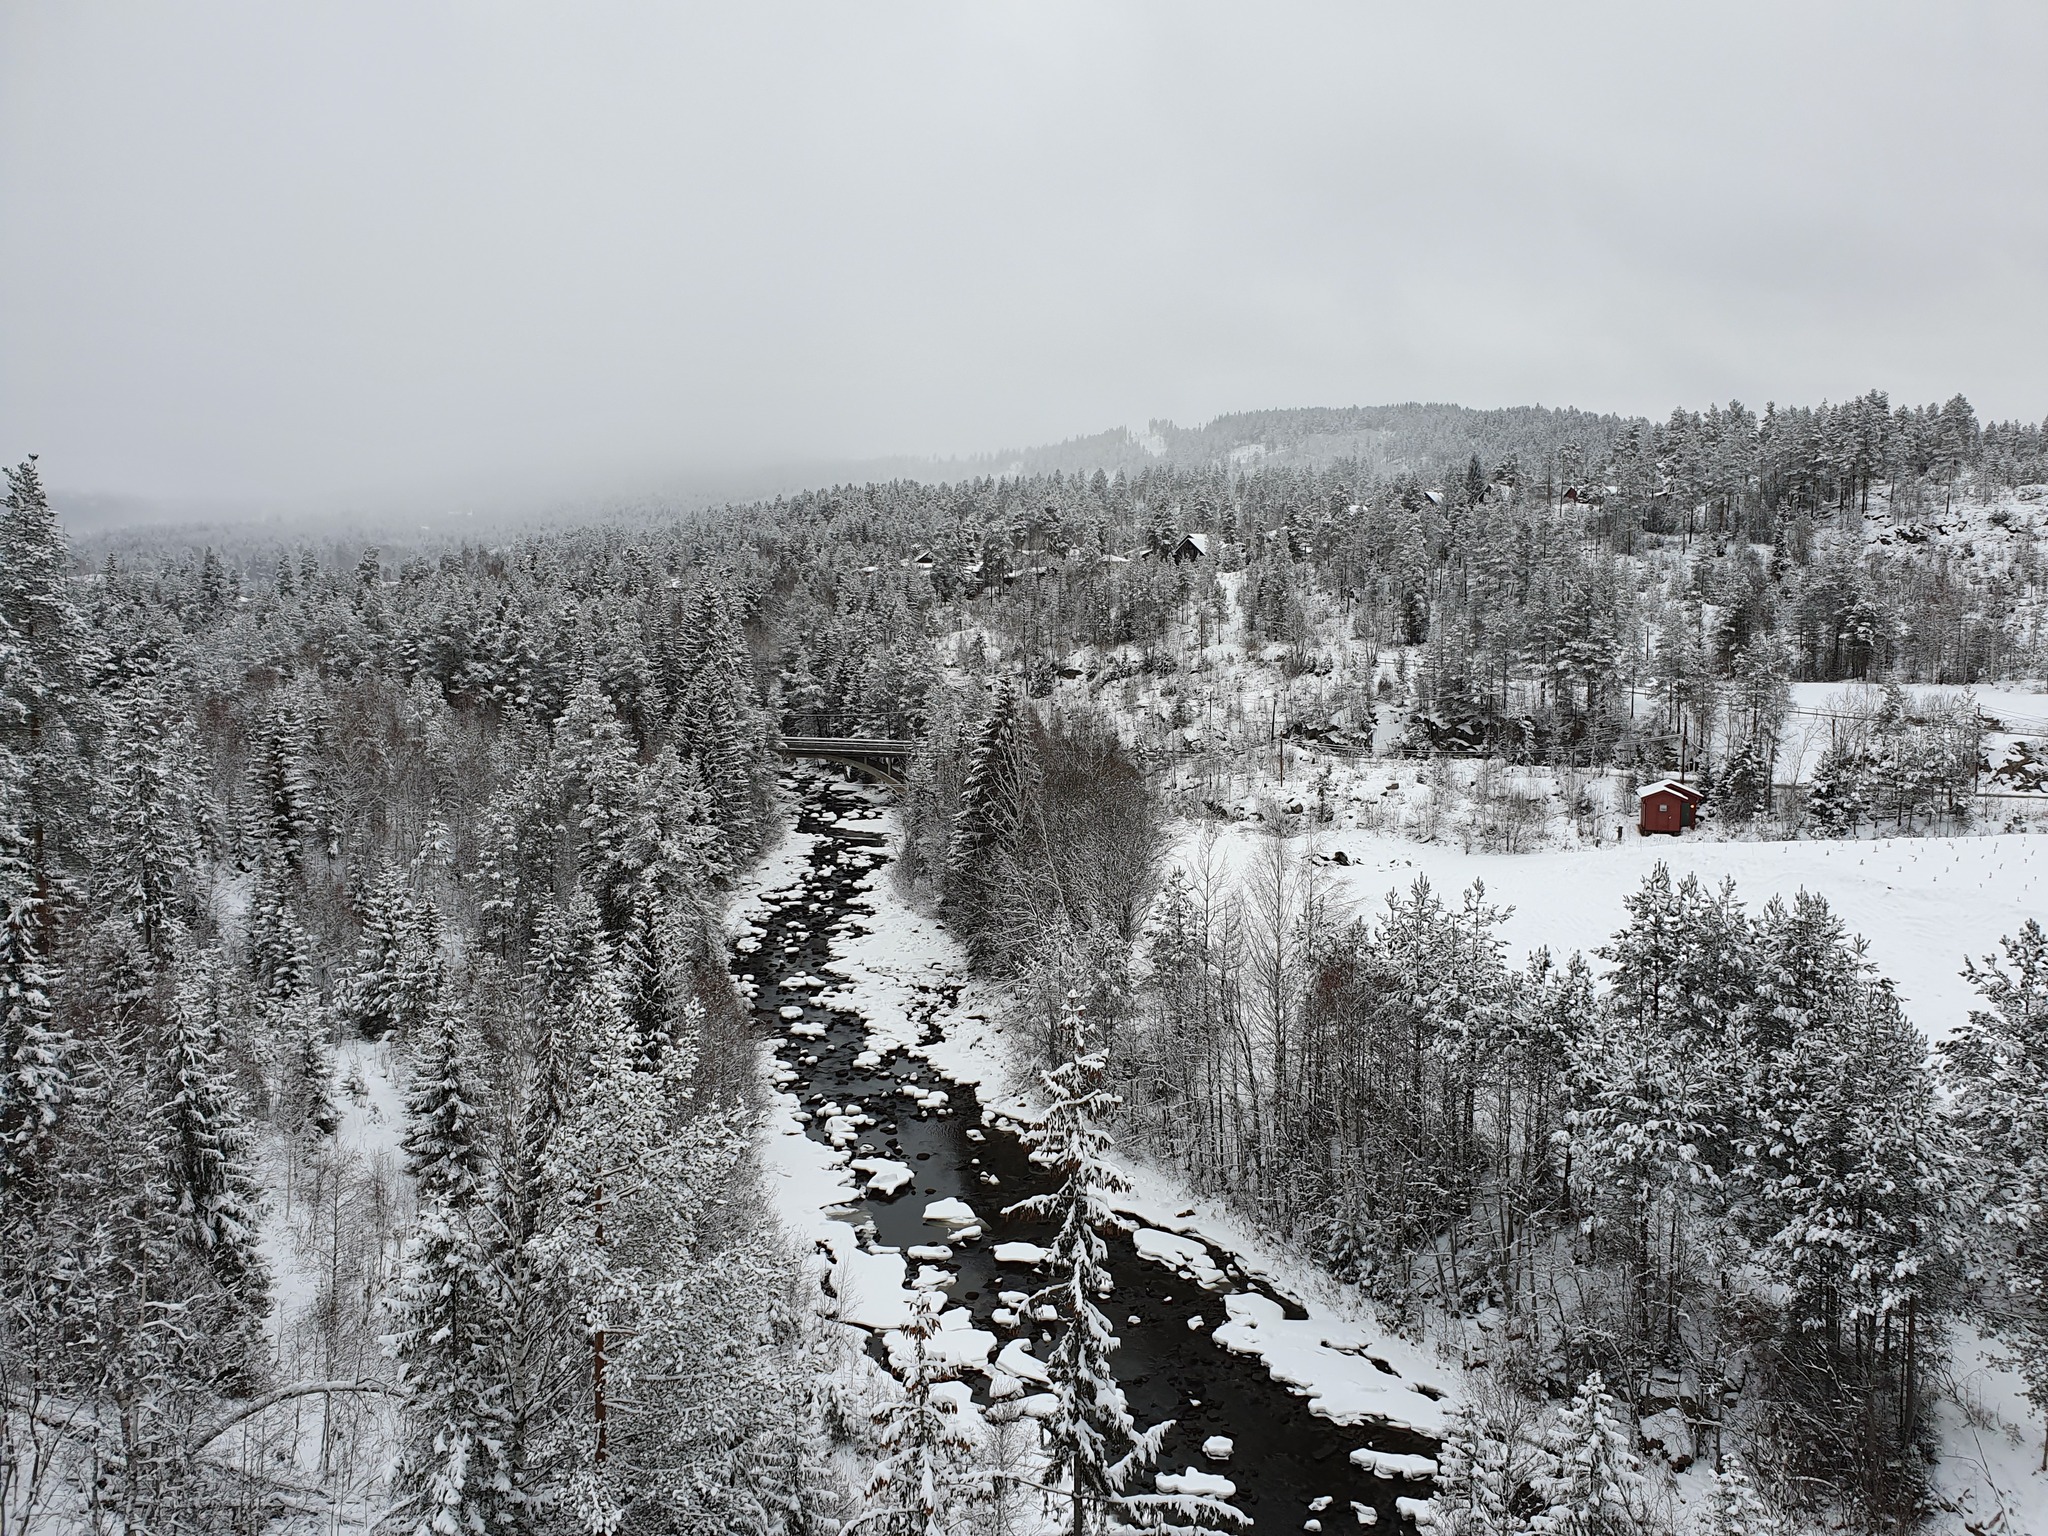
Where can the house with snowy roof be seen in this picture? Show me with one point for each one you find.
(1668, 806)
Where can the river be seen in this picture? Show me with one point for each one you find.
(1292, 1469)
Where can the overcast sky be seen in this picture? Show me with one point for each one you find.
(322, 255)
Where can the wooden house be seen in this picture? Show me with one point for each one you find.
(1668, 806)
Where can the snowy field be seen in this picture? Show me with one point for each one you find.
(1923, 903)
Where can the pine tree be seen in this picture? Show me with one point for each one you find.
(212, 1185)
(1095, 1447)
(1733, 1507)
(1597, 1486)
(924, 1466)
(1997, 1068)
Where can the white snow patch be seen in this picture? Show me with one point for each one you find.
(886, 1176)
(1327, 1361)
(1210, 1484)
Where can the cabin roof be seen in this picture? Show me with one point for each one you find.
(1669, 787)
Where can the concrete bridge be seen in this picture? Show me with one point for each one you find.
(882, 760)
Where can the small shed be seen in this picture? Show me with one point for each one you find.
(1668, 806)
(1193, 546)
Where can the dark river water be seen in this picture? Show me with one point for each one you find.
(1285, 1460)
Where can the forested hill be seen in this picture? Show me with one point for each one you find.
(1389, 439)
(1429, 439)
(360, 910)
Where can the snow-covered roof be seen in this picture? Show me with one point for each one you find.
(1668, 787)
(1199, 540)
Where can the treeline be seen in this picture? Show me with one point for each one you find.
(1722, 1176)
(373, 1102)
(1619, 604)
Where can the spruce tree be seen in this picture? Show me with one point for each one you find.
(1596, 1487)
(986, 827)
(924, 1468)
(1094, 1445)
(212, 1184)
(1997, 1068)
(35, 1053)
(1734, 1507)
(444, 1150)
(290, 815)
(448, 1336)
(1478, 1475)
(147, 844)
(48, 715)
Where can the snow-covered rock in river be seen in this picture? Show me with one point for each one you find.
(951, 1212)
(1390, 1465)
(886, 1177)
(1218, 1447)
(1183, 1255)
(1208, 1484)
(1018, 1361)
(1328, 1361)
(1028, 1254)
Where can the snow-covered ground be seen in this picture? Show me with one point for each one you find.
(1923, 903)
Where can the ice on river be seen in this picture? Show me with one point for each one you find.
(1206, 1484)
(1389, 1465)
(887, 1178)
(1018, 1361)
(1328, 1361)
(1183, 1255)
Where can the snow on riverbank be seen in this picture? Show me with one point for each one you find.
(1351, 1371)
(906, 978)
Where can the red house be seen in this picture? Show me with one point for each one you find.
(1668, 806)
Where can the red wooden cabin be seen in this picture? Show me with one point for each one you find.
(1668, 806)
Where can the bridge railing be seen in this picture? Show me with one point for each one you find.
(846, 724)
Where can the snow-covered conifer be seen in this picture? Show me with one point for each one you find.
(287, 806)
(1597, 1486)
(1479, 1473)
(1997, 1066)
(200, 1113)
(444, 1148)
(1095, 1447)
(1734, 1507)
(991, 809)
(924, 1471)
(35, 1053)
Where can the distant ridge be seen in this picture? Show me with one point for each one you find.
(1416, 437)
